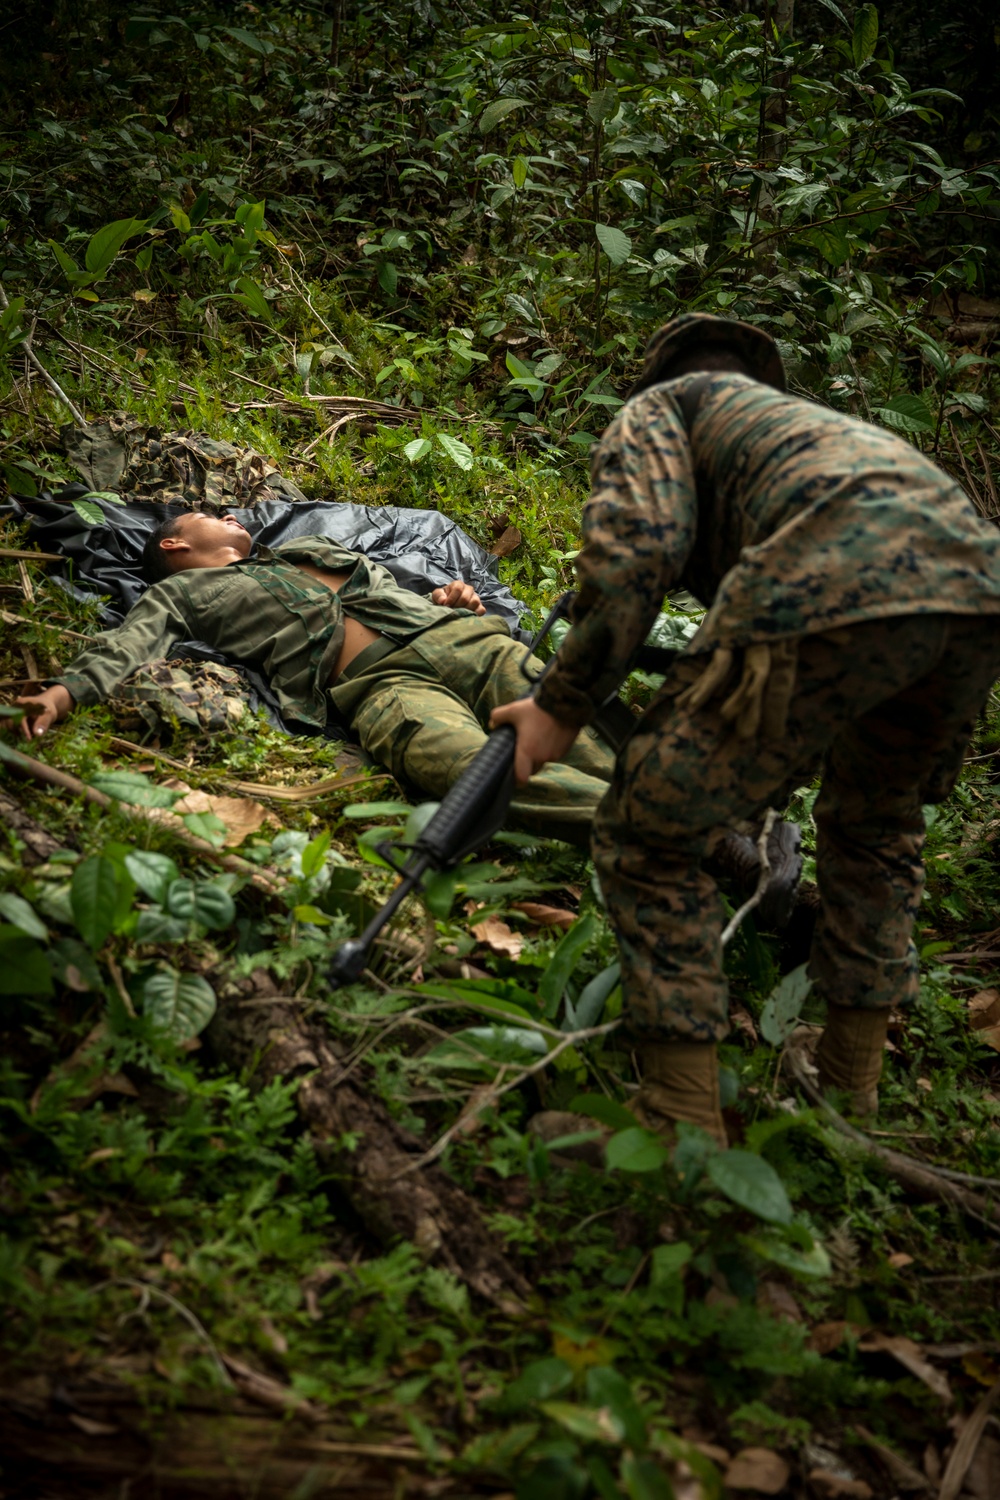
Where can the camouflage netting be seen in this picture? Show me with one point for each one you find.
(200, 696)
(189, 469)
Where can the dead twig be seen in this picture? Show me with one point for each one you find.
(50, 380)
(76, 635)
(931, 1182)
(37, 770)
(489, 1096)
(31, 556)
(765, 875)
(964, 1450)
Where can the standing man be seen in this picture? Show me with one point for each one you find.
(853, 623)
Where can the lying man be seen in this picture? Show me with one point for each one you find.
(416, 678)
(853, 598)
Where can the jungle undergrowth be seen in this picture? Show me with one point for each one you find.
(496, 300)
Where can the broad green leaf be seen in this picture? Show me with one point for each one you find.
(111, 496)
(314, 854)
(635, 1150)
(89, 513)
(614, 242)
(782, 1007)
(24, 969)
(201, 901)
(813, 1263)
(375, 810)
(644, 1479)
(592, 1425)
(606, 1388)
(388, 278)
(906, 413)
(594, 995)
(107, 242)
(602, 105)
(752, 1183)
(66, 261)
(157, 926)
(180, 1004)
(308, 913)
(831, 242)
(497, 111)
(439, 892)
(93, 893)
(205, 825)
(252, 298)
(22, 915)
(563, 961)
(865, 34)
(667, 1261)
(460, 453)
(134, 789)
(519, 172)
(607, 1111)
(417, 449)
(152, 872)
(539, 1381)
(835, 10)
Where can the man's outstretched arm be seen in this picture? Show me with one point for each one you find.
(151, 628)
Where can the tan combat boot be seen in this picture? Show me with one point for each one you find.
(680, 1082)
(850, 1052)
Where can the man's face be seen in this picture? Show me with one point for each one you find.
(204, 541)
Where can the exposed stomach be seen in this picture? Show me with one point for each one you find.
(356, 636)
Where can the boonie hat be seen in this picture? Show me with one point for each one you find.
(697, 330)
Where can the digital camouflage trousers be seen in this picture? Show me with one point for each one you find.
(886, 710)
(424, 712)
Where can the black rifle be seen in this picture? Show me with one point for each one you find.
(472, 811)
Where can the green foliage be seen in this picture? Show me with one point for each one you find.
(475, 217)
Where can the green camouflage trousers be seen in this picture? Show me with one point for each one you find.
(887, 709)
(424, 712)
(164, 695)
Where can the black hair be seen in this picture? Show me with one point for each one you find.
(155, 561)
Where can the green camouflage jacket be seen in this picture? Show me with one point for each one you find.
(265, 613)
(781, 516)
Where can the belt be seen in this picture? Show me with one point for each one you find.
(368, 657)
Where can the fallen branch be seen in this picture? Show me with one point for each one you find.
(46, 775)
(329, 784)
(22, 553)
(12, 619)
(928, 1181)
(371, 1150)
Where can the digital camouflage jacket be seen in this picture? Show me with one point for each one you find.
(265, 613)
(784, 518)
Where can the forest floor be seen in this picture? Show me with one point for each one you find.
(263, 1239)
(239, 1260)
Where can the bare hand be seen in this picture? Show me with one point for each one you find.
(44, 709)
(459, 595)
(540, 737)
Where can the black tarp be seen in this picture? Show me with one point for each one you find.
(421, 548)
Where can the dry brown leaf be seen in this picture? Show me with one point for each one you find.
(826, 1337)
(777, 1299)
(498, 937)
(741, 1020)
(826, 1483)
(984, 1009)
(911, 1357)
(545, 916)
(508, 543)
(758, 1469)
(900, 1259)
(241, 815)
